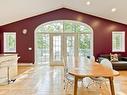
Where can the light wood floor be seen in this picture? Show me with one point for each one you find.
(45, 80)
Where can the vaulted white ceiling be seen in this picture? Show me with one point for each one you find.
(14, 10)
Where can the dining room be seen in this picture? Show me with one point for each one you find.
(63, 47)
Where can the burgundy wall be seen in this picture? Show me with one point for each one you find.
(102, 31)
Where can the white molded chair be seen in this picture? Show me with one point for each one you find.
(92, 59)
(108, 64)
(100, 80)
(68, 79)
(105, 62)
(87, 62)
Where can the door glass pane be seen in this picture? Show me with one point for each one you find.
(42, 49)
(70, 50)
(68, 26)
(84, 46)
(56, 48)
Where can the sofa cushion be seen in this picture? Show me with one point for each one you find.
(120, 65)
(114, 57)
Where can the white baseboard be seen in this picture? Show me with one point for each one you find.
(25, 64)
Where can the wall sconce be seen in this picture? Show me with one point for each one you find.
(24, 31)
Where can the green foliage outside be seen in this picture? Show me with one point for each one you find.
(84, 43)
(11, 42)
(41, 42)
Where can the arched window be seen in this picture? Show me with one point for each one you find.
(74, 36)
(64, 26)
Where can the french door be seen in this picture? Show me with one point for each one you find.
(54, 47)
(70, 49)
(63, 46)
(56, 51)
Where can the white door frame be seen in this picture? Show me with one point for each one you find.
(52, 61)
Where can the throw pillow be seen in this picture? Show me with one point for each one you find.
(113, 57)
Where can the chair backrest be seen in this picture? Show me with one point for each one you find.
(105, 62)
(86, 62)
(92, 59)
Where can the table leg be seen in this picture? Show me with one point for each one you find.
(112, 86)
(75, 85)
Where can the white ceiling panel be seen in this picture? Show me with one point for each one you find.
(14, 10)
